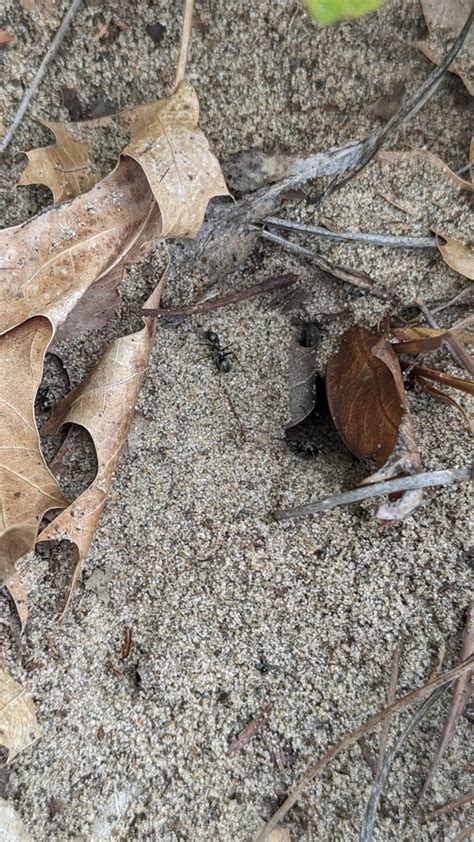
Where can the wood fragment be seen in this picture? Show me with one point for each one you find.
(251, 730)
(430, 479)
(268, 285)
(386, 240)
(450, 806)
(38, 78)
(351, 738)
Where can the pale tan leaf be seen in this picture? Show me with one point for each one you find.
(19, 596)
(444, 21)
(28, 489)
(12, 828)
(18, 724)
(393, 157)
(177, 160)
(65, 167)
(104, 404)
(49, 262)
(458, 255)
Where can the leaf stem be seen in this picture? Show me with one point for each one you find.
(185, 40)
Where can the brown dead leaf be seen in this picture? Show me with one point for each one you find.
(457, 254)
(65, 167)
(7, 39)
(363, 396)
(444, 21)
(18, 724)
(28, 487)
(368, 405)
(104, 404)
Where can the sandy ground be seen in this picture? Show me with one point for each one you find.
(231, 611)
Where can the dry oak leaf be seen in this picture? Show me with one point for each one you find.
(18, 724)
(50, 261)
(28, 489)
(104, 405)
(444, 21)
(176, 158)
(458, 255)
(65, 167)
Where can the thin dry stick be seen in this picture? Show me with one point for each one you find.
(232, 298)
(354, 236)
(34, 85)
(357, 279)
(376, 791)
(450, 806)
(458, 383)
(350, 739)
(392, 690)
(425, 480)
(185, 39)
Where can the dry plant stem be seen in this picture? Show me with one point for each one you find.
(354, 236)
(458, 383)
(356, 734)
(34, 85)
(430, 479)
(390, 698)
(381, 779)
(185, 39)
(337, 271)
(463, 323)
(450, 806)
(279, 282)
(455, 348)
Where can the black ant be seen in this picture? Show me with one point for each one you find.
(219, 355)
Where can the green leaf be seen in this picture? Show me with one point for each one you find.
(329, 11)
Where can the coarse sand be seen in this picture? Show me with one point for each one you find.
(229, 610)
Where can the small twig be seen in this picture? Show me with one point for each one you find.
(455, 348)
(458, 383)
(250, 731)
(34, 85)
(463, 323)
(232, 298)
(354, 236)
(465, 834)
(450, 806)
(357, 279)
(392, 690)
(185, 39)
(349, 740)
(425, 480)
(376, 791)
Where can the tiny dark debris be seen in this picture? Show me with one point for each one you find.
(156, 31)
(71, 102)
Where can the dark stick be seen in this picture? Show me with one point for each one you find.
(268, 285)
(450, 806)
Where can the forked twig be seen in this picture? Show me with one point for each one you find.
(357, 279)
(350, 739)
(379, 783)
(34, 85)
(425, 480)
(185, 40)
